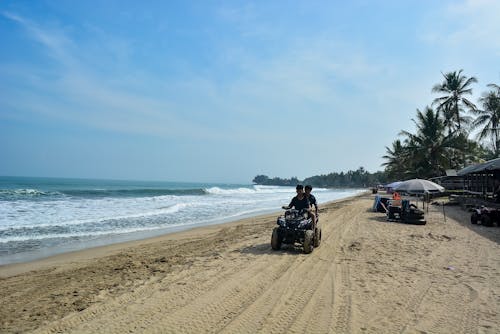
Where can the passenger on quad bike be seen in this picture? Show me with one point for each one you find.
(312, 201)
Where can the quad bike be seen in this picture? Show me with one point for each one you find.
(486, 216)
(296, 227)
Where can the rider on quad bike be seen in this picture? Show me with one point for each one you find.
(299, 202)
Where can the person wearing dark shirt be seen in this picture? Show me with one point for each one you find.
(311, 198)
(312, 201)
(300, 201)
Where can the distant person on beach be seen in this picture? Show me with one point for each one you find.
(299, 202)
(312, 200)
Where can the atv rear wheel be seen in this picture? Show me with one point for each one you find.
(317, 236)
(308, 241)
(275, 239)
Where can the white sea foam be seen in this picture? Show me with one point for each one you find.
(61, 223)
(82, 234)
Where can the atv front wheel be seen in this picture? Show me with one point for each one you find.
(275, 239)
(317, 236)
(308, 241)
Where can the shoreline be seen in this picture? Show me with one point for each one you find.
(85, 254)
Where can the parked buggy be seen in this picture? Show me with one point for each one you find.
(485, 216)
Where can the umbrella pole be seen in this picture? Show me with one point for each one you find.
(444, 214)
(427, 198)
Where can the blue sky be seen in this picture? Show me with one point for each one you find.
(220, 91)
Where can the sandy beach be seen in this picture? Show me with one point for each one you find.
(368, 276)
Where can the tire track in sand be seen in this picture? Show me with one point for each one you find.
(439, 257)
(254, 316)
(154, 298)
(216, 308)
(292, 305)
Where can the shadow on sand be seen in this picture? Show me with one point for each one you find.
(379, 217)
(463, 218)
(265, 248)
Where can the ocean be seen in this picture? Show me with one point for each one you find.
(40, 217)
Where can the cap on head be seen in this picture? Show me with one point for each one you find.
(299, 186)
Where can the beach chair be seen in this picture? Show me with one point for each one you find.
(380, 204)
(411, 214)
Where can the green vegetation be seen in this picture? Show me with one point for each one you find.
(441, 140)
(488, 118)
(275, 181)
(352, 179)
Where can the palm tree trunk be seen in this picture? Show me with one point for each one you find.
(497, 144)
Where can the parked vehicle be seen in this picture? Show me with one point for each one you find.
(485, 216)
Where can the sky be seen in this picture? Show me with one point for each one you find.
(221, 91)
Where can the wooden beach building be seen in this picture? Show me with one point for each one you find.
(480, 181)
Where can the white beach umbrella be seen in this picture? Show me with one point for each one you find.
(419, 186)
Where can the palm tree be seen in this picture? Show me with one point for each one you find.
(454, 86)
(431, 147)
(396, 165)
(489, 117)
(495, 86)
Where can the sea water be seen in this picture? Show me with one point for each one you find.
(45, 216)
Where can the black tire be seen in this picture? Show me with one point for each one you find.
(474, 218)
(317, 236)
(275, 239)
(486, 220)
(308, 241)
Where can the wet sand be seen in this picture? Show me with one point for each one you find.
(368, 276)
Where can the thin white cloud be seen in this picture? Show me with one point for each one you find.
(280, 86)
(247, 22)
(55, 41)
(80, 94)
(467, 25)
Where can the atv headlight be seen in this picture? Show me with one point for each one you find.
(303, 224)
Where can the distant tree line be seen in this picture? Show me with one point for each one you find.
(442, 137)
(275, 181)
(359, 178)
